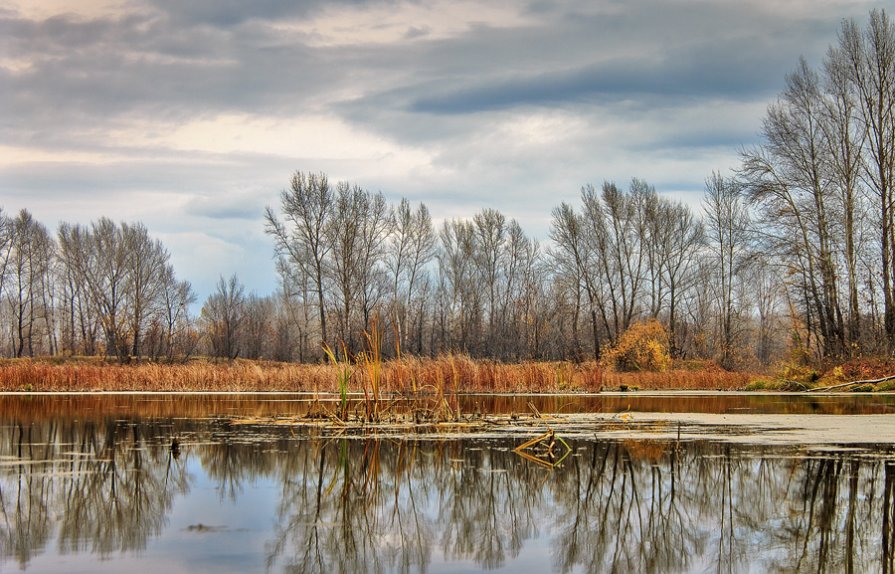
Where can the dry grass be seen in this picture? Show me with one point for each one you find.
(688, 380)
(441, 376)
(196, 376)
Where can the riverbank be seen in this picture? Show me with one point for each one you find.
(410, 374)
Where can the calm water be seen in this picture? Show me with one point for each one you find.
(173, 484)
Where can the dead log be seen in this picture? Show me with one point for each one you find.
(843, 385)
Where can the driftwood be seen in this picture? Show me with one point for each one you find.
(841, 385)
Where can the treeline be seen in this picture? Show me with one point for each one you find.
(483, 287)
(791, 256)
(103, 288)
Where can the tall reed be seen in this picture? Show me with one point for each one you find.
(372, 360)
(343, 376)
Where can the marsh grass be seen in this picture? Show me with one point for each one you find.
(440, 377)
(371, 358)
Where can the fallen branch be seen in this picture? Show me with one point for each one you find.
(841, 385)
(791, 384)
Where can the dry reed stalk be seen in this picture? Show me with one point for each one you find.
(442, 376)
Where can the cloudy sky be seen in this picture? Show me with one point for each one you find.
(192, 115)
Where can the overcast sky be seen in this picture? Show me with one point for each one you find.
(191, 115)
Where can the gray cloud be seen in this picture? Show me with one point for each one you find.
(236, 206)
(229, 13)
(511, 115)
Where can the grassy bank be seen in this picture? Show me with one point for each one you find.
(438, 375)
(864, 374)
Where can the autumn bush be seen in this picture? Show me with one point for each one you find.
(643, 347)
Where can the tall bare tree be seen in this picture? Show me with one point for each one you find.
(99, 259)
(490, 239)
(457, 275)
(411, 248)
(375, 228)
(573, 254)
(679, 237)
(148, 262)
(28, 297)
(870, 59)
(176, 297)
(223, 315)
(845, 137)
(301, 240)
(727, 221)
(790, 177)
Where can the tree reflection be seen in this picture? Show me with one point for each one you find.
(348, 504)
(101, 485)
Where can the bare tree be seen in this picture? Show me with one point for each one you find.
(176, 296)
(6, 244)
(490, 238)
(679, 238)
(82, 321)
(518, 333)
(301, 240)
(789, 176)
(223, 314)
(296, 308)
(727, 220)
(845, 138)
(376, 225)
(148, 261)
(411, 248)
(99, 259)
(615, 226)
(344, 234)
(870, 59)
(29, 267)
(573, 254)
(257, 329)
(461, 313)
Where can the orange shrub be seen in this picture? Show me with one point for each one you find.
(643, 347)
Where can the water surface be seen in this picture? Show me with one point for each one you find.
(148, 483)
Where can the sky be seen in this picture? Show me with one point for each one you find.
(191, 116)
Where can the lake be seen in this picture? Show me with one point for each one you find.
(681, 482)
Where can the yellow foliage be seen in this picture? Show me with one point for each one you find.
(643, 347)
(797, 371)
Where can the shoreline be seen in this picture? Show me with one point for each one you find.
(444, 375)
(354, 395)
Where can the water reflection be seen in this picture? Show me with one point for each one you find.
(94, 487)
(101, 487)
(163, 405)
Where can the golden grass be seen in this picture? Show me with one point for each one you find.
(440, 376)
